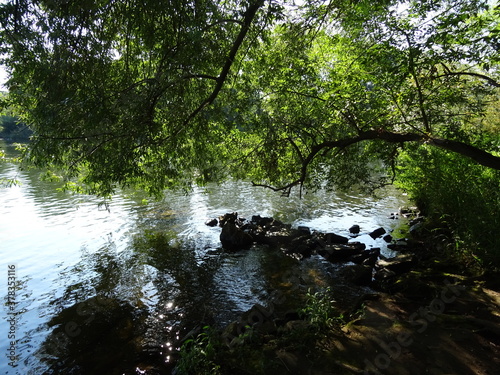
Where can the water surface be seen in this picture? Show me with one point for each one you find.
(110, 289)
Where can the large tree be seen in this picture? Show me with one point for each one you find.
(161, 93)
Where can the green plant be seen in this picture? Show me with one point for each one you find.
(458, 197)
(199, 354)
(319, 310)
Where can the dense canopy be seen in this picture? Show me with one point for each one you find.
(159, 94)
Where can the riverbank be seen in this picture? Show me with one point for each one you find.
(435, 315)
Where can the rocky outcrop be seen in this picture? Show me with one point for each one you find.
(233, 236)
(301, 242)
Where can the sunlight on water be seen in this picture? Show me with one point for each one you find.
(134, 279)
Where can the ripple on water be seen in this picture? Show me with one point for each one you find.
(69, 250)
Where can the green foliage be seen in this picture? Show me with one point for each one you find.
(165, 95)
(199, 355)
(319, 311)
(454, 192)
(254, 352)
(156, 95)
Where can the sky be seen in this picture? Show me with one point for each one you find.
(3, 77)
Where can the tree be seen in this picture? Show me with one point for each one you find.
(165, 93)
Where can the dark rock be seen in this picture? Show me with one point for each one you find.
(384, 274)
(291, 315)
(332, 238)
(361, 257)
(358, 274)
(304, 229)
(211, 222)
(416, 229)
(400, 245)
(408, 212)
(339, 253)
(233, 238)
(387, 238)
(303, 245)
(399, 264)
(262, 221)
(260, 319)
(377, 233)
(355, 229)
(229, 217)
(278, 238)
(297, 326)
(360, 246)
(370, 261)
(417, 220)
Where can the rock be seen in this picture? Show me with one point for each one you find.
(304, 229)
(259, 318)
(303, 245)
(419, 219)
(232, 216)
(332, 238)
(297, 325)
(408, 211)
(358, 274)
(394, 215)
(400, 245)
(291, 315)
(233, 238)
(384, 274)
(355, 229)
(416, 229)
(367, 254)
(387, 238)
(377, 233)
(263, 222)
(212, 222)
(280, 239)
(399, 264)
(339, 253)
(360, 246)
(370, 261)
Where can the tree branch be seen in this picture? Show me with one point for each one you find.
(247, 21)
(490, 80)
(478, 155)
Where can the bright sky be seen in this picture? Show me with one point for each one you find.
(3, 77)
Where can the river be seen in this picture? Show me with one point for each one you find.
(112, 288)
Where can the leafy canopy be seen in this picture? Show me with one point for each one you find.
(160, 94)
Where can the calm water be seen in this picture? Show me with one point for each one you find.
(110, 289)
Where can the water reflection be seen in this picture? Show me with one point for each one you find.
(122, 287)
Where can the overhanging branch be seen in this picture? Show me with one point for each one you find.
(486, 78)
(221, 79)
(478, 155)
